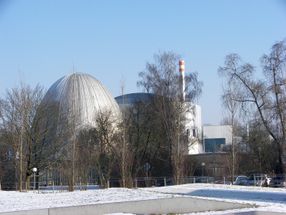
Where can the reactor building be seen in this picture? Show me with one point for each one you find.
(72, 103)
(193, 124)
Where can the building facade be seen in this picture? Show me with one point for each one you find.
(193, 119)
(216, 137)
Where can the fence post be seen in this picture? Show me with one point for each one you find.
(108, 185)
(165, 181)
(223, 179)
(53, 186)
(135, 182)
(194, 180)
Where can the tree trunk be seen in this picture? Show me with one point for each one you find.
(280, 167)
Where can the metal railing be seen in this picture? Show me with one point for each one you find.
(40, 183)
(49, 184)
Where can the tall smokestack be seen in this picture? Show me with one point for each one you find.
(182, 79)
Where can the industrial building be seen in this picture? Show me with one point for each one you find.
(70, 105)
(201, 139)
(79, 98)
(74, 101)
(193, 124)
(206, 142)
(216, 137)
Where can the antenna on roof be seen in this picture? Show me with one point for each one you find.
(122, 87)
(73, 69)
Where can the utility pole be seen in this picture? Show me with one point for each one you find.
(73, 129)
(123, 155)
(21, 160)
(233, 149)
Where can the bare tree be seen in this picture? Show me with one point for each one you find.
(98, 147)
(162, 79)
(261, 149)
(146, 141)
(231, 105)
(124, 150)
(51, 135)
(18, 111)
(266, 96)
(86, 153)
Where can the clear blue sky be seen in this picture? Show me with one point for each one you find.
(40, 41)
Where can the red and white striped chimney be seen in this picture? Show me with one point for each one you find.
(182, 81)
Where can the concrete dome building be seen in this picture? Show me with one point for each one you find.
(80, 97)
(71, 104)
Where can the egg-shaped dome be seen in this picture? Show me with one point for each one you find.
(72, 104)
(79, 97)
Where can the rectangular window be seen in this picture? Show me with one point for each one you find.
(214, 144)
(194, 133)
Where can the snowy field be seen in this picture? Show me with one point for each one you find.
(266, 199)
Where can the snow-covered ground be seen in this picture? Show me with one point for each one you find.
(13, 200)
(267, 199)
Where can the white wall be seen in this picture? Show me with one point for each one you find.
(180, 205)
(218, 131)
(194, 123)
